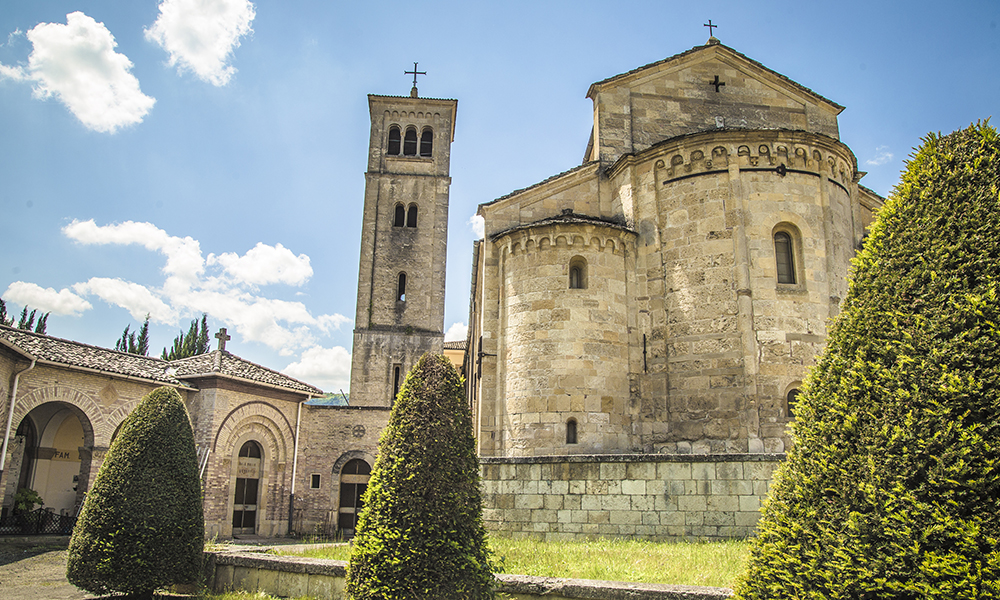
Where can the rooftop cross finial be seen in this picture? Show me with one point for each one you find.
(414, 72)
(710, 28)
(223, 338)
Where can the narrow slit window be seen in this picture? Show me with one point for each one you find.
(394, 141)
(426, 143)
(791, 400)
(411, 216)
(571, 431)
(410, 142)
(397, 375)
(784, 260)
(399, 217)
(401, 288)
(578, 273)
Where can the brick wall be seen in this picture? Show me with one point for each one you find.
(662, 497)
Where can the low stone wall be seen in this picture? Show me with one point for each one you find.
(292, 576)
(650, 496)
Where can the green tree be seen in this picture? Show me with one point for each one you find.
(420, 534)
(27, 320)
(892, 487)
(192, 343)
(134, 343)
(141, 527)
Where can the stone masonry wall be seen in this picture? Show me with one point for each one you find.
(660, 497)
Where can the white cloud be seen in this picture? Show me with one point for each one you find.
(200, 35)
(882, 156)
(137, 299)
(478, 225)
(184, 260)
(265, 264)
(63, 302)
(327, 368)
(77, 64)
(456, 332)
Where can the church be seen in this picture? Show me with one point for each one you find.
(639, 325)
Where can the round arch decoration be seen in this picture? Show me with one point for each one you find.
(262, 418)
(96, 429)
(350, 455)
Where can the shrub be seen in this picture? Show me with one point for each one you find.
(420, 534)
(141, 527)
(892, 488)
(25, 500)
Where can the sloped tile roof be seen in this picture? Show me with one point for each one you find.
(220, 362)
(455, 345)
(74, 354)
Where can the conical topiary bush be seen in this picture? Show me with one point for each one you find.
(141, 527)
(420, 534)
(892, 489)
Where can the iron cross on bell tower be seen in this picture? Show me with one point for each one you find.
(414, 72)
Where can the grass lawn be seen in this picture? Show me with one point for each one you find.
(682, 563)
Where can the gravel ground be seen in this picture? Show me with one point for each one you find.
(34, 568)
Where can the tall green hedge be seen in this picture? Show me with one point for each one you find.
(141, 527)
(893, 487)
(420, 534)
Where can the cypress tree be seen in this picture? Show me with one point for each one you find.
(141, 527)
(892, 489)
(420, 534)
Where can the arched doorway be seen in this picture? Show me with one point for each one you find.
(51, 463)
(247, 494)
(353, 483)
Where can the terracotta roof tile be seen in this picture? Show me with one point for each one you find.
(233, 366)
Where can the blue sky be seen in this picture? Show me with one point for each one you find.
(176, 157)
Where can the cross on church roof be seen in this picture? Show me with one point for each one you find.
(710, 28)
(223, 338)
(414, 72)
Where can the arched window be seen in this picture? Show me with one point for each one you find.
(784, 258)
(400, 216)
(397, 378)
(571, 431)
(791, 400)
(394, 140)
(410, 142)
(577, 273)
(401, 288)
(411, 216)
(426, 142)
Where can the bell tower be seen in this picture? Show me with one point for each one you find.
(400, 310)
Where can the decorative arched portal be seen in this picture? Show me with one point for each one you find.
(353, 483)
(247, 488)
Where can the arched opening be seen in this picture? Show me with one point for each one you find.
(791, 399)
(50, 460)
(410, 142)
(426, 142)
(784, 258)
(411, 216)
(394, 139)
(571, 431)
(401, 288)
(399, 218)
(247, 492)
(397, 378)
(353, 483)
(578, 273)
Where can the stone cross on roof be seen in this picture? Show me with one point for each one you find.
(223, 338)
(711, 33)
